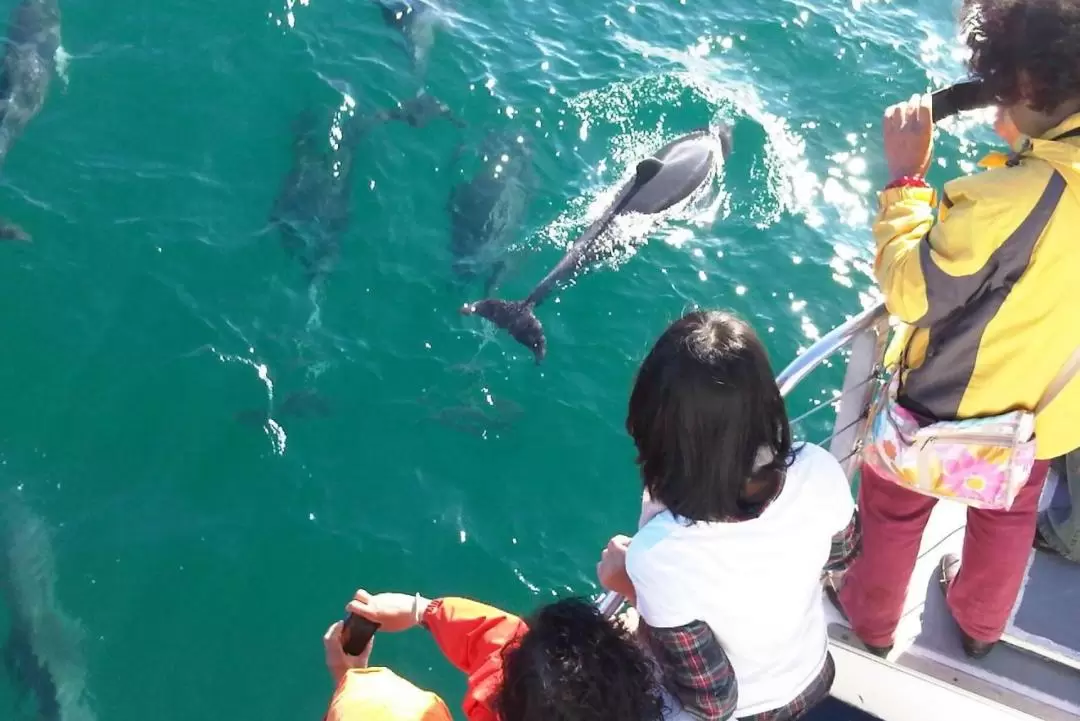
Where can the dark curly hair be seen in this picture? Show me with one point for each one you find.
(575, 665)
(1040, 38)
(704, 403)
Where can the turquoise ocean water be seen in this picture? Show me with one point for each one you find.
(194, 529)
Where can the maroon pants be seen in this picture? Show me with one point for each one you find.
(996, 549)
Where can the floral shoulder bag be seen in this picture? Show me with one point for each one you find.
(981, 462)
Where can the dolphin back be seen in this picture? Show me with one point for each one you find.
(35, 22)
(312, 209)
(30, 57)
(674, 173)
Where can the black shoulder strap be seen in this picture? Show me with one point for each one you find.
(1074, 133)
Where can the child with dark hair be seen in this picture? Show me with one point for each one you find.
(726, 568)
(567, 663)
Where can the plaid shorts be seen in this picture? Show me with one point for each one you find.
(811, 696)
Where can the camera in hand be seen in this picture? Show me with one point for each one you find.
(959, 98)
(356, 634)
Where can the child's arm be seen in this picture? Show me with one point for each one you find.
(845, 545)
(696, 669)
(839, 516)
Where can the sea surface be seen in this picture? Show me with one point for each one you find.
(202, 455)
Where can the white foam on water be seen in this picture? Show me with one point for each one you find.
(526, 582)
(314, 321)
(289, 15)
(63, 60)
(274, 431)
(277, 436)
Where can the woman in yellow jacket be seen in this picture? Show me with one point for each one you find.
(990, 295)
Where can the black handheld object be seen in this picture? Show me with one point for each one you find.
(961, 97)
(356, 634)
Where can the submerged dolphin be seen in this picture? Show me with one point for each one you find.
(306, 403)
(487, 210)
(667, 178)
(31, 52)
(32, 47)
(10, 231)
(41, 649)
(416, 20)
(313, 208)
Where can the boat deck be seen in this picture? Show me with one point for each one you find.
(1035, 675)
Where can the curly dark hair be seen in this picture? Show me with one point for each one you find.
(575, 665)
(704, 403)
(1039, 38)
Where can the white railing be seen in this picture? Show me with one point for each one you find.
(866, 334)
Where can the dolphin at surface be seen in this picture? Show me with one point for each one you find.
(486, 211)
(312, 210)
(42, 646)
(673, 174)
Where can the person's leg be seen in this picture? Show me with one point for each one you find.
(1060, 528)
(996, 550)
(874, 588)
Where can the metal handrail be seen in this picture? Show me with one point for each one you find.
(831, 342)
(863, 326)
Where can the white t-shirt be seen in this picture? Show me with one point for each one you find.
(757, 583)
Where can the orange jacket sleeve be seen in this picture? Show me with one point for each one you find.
(378, 694)
(472, 636)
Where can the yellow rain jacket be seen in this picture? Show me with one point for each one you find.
(990, 292)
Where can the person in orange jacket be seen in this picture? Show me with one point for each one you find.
(373, 694)
(568, 663)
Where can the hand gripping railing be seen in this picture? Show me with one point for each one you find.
(866, 334)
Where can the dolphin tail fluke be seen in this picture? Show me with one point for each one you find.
(515, 317)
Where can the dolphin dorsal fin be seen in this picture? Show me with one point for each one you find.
(647, 170)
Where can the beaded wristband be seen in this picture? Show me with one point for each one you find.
(907, 181)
